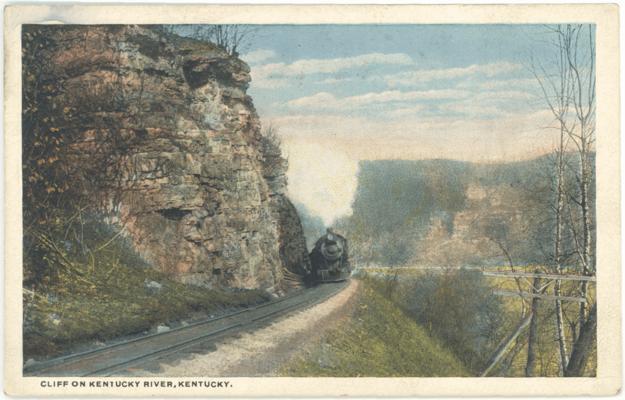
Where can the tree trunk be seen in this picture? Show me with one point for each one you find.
(561, 338)
(586, 236)
(582, 306)
(560, 329)
(532, 350)
(583, 345)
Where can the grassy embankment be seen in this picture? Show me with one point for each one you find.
(506, 311)
(111, 295)
(378, 340)
(548, 354)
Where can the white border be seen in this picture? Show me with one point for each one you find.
(608, 380)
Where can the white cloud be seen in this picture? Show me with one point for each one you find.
(267, 74)
(472, 109)
(333, 65)
(257, 56)
(510, 136)
(318, 100)
(504, 96)
(509, 84)
(491, 104)
(270, 83)
(427, 75)
(407, 111)
(333, 81)
(325, 100)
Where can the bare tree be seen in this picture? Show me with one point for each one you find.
(270, 140)
(532, 341)
(570, 95)
(583, 345)
(557, 92)
(581, 60)
(231, 38)
(579, 54)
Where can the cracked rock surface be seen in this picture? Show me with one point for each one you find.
(202, 197)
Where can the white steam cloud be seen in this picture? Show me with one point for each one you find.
(321, 178)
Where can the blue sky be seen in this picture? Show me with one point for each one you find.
(403, 48)
(339, 94)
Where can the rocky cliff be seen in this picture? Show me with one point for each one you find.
(199, 192)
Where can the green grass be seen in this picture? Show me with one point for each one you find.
(513, 364)
(112, 301)
(377, 340)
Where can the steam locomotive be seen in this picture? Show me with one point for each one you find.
(329, 259)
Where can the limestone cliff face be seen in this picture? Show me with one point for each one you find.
(203, 198)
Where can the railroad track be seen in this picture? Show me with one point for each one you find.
(113, 359)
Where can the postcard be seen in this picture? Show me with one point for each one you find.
(312, 201)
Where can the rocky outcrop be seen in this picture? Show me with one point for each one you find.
(201, 195)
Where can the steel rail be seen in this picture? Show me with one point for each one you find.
(108, 360)
(210, 337)
(43, 365)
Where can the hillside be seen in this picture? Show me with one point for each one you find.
(444, 212)
(378, 340)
